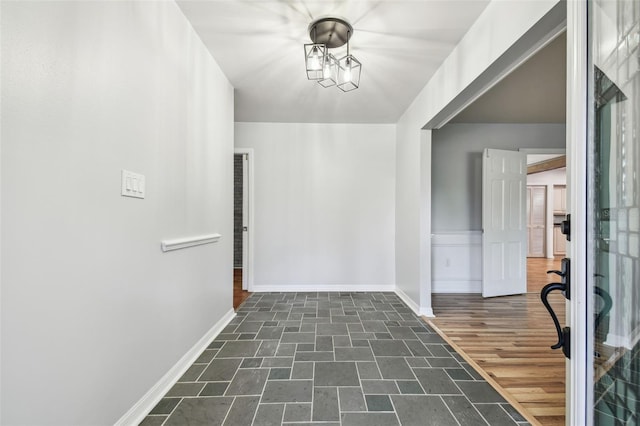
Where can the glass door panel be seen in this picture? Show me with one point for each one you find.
(614, 210)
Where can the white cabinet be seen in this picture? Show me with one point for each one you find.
(559, 199)
(536, 220)
(559, 242)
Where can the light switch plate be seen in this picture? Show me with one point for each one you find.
(133, 184)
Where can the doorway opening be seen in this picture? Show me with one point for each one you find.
(242, 228)
(508, 337)
(546, 209)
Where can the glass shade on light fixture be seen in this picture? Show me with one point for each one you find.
(329, 71)
(331, 32)
(349, 69)
(314, 58)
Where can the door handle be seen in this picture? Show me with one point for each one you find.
(544, 294)
(564, 334)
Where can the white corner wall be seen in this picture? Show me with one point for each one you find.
(489, 41)
(93, 313)
(324, 205)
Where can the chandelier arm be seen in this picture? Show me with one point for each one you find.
(348, 36)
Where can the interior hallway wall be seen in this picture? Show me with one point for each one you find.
(93, 313)
(457, 166)
(456, 252)
(324, 205)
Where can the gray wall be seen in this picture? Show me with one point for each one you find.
(457, 166)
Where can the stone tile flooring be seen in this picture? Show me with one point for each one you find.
(330, 359)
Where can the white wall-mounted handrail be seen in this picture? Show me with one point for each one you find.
(180, 243)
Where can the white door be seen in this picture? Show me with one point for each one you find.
(245, 221)
(504, 239)
(247, 217)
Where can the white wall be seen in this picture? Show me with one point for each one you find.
(495, 38)
(324, 205)
(93, 313)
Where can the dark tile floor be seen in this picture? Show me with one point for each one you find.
(331, 359)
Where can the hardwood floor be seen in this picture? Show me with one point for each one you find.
(509, 338)
(536, 272)
(239, 295)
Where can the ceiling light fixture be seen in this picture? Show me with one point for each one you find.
(329, 33)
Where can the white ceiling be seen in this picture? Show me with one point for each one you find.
(259, 46)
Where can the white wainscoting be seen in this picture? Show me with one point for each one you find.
(456, 262)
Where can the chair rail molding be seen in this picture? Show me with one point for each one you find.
(180, 243)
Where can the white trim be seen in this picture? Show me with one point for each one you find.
(425, 284)
(427, 312)
(628, 341)
(314, 288)
(580, 370)
(418, 310)
(140, 409)
(408, 301)
(180, 243)
(504, 67)
(533, 151)
(251, 231)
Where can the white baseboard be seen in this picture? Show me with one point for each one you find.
(141, 408)
(260, 288)
(407, 300)
(426, 311)
(456, 286)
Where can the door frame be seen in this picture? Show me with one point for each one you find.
(580, 369)
(549, 225)
(247, 264)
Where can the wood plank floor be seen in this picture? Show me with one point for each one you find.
(239, 295)
(537, 276)
(509, 338)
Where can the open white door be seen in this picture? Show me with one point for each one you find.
(504, 239)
